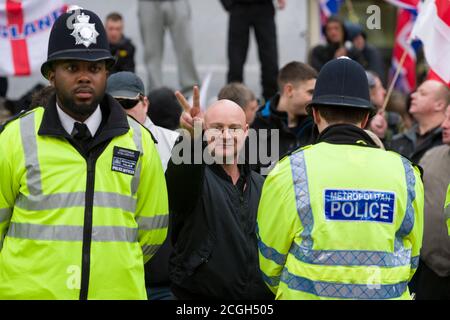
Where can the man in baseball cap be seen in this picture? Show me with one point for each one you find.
(127, 88)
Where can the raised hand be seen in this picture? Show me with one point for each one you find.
(281, 4)
(192, 116)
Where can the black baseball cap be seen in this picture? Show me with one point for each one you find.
(125, 85)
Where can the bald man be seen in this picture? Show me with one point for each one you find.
(213, 204)
(428, 106)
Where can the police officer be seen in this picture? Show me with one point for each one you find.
(82, 205)
(341, 219)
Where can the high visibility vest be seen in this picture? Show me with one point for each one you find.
(447, 209)
(66, 226)
(341, 222)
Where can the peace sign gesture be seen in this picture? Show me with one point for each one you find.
(192, 116)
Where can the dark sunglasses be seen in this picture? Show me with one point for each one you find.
(129, 103)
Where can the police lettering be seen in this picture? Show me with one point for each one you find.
(368, 210)
(359, 205)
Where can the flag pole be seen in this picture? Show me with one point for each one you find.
(394, 80)
(351, 11)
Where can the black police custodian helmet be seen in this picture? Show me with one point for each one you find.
(342, 82)
(78, 35)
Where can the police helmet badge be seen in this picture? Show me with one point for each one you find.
(84, 32)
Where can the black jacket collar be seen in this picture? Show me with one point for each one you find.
(244, 171)
(280, 118)
(346, 134)
(114, 121)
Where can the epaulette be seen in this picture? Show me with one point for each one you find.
(151, 134)
(17, 116)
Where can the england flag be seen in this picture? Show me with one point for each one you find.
(24, 31)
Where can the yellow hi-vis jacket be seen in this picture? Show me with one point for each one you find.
(341, 222)
(447, 209)
(70, 227)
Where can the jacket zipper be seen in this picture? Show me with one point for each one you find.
(87, 228)
(249, 243)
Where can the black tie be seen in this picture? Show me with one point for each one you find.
(81, 134)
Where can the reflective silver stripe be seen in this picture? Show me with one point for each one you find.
(398, 258)
(149, 250)
(300, 177)
(343, 290)
(447, 212)
(113, 234)
(52, 201)
(75, 199)
(5, 214)
(271, 281)
(29, 143)
(408, 221)
(43, 232)
(415, 262)
(114, 200)
(137, 138)
(70, 233)
(151, 223)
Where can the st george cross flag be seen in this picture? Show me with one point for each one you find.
(433, 29)
(24, 31)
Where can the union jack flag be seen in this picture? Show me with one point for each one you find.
(406, 81)
(328, 8)
(405, 4)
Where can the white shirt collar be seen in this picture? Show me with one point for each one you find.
(93, 122)
(148, 123)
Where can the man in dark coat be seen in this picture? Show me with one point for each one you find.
(284, 116)
(336, 36)
(121, 47)
(428, 106)
(213, 204)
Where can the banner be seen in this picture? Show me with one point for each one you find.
(433, 29)
(24, 31)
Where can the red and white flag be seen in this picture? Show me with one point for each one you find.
(433, 29)
(406, 81)
(24, 31)
(405, 4)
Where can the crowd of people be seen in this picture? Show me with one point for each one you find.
(110, 190)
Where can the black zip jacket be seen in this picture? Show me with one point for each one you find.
(213, 224)
(124, 54)
(406, 143)
(269, 118)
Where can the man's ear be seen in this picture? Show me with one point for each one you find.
(51, 77)
(365, 120)
(146, 103)
(316, 116)
(440, 105)
(287, 89)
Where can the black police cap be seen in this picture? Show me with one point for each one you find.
(78, 35)
(342, 82)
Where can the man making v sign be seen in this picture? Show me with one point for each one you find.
(213, 208)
